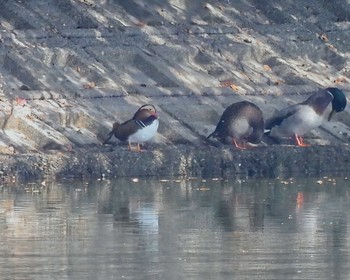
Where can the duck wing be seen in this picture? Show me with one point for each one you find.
(221, 127)
(132, 126)
(126, 129)
(282, 115)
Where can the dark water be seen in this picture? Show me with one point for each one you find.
(188, 229)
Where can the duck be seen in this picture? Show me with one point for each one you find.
(240, 123)
(298, 119)
(140, 128)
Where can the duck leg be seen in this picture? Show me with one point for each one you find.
(134, 149)
(129, 146)
(239, 145)
(300, 141)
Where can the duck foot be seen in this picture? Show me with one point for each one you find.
(241, 146)
(135, 149)
(300, 141)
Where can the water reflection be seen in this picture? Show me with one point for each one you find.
(182, 229)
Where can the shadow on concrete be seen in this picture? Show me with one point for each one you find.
(81, 65)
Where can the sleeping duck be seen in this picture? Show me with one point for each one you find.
(240, 123)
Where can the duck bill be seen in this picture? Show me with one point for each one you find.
(330, 115)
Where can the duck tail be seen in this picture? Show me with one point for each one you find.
(109, 135)
(211, 135)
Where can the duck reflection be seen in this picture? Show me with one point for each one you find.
(242, 209)
(165, 229)
(130, 213)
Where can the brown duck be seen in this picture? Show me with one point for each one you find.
(142, 127)
(240, 123)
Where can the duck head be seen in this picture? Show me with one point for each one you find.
(144, 112)
(338, 102)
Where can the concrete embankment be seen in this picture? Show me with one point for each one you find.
(70, 69)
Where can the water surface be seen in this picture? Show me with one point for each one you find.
(177, 229)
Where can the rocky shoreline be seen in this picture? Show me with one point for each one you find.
(180, 161)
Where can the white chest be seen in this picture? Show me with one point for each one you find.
(145, 133)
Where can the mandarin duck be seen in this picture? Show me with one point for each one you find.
(298, 119)
(142, 127)
(240, 123)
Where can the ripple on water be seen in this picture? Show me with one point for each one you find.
(183, 229)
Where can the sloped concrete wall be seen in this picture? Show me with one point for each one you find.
(70, 68)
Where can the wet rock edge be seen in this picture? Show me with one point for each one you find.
(179, 161)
